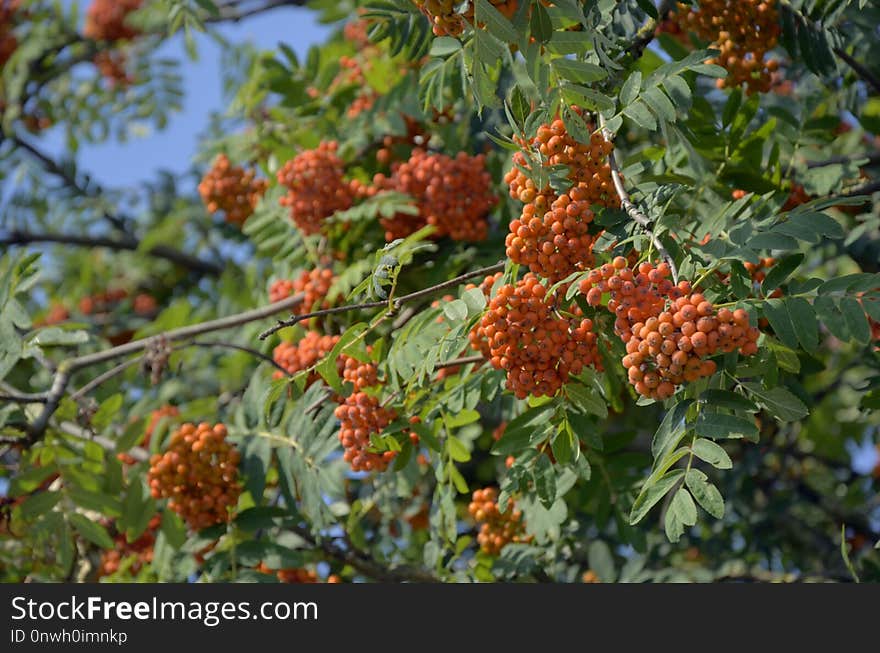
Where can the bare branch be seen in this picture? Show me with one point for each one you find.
(634, 212)
(393, 305)
(860, 70)
(870, 158)
(464, 360)
(126, 243)
(67, 368)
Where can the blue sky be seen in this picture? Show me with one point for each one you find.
(126, 164)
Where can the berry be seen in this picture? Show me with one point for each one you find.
(295, 357)
(152, 423)
(198, 474)
(555, 234)
(316, 188)
(8, 21)
(360, 416)
(141, 549)
(106, 20)
(453, 194)
(743, 30)
(497, 528)
(314, 284)
(535, 345)
(231, 190)
(477, 339)
(290, 575)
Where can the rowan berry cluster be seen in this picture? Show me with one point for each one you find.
(453, 194)
(316, 187)
(141, 549)
(529, 339)
(360, 374)
(758, 271)
(198, 473)
(314, 284)
(668, 330)
(231, 190)
(361, 415)
(298, 356)
(497, 528)
(477, 339)
(555, 233)
(102, 302)
(744, 31)
(8, 40)
(155, 417)
(449, 19)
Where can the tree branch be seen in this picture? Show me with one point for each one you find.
(394, 305)
(648, 31)
(365, 564)
(67, 368)
(126, 243)
(867, 76)
(634, 212)
(871, 158)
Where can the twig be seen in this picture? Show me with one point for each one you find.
(101, 378)
(126, 243)
(648, 31)
(365, 564)
(67, 368)
(859, 69)
(464, 360)
(634, 212)
(871, 158)
(22, 398)
(229, 345)
(394, 305)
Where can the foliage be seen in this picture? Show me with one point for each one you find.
(414, 160)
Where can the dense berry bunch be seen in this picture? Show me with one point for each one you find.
(231, 190)
(141, 549)
(453, 194)
(198, 473)
(361, 375)
(106, 20)
(316, 187)
(744, 31)
(361, 415)
(314, 284)
(529, 339)
(152, 423)
(477, 339)
(669, 331)
(497, 528)
(555, 233)
(298, 356)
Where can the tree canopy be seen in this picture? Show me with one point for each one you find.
(492, 290)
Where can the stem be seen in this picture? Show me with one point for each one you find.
(393, 306)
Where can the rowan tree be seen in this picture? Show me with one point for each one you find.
(479, 291)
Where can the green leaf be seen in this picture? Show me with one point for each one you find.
(630, 89)
(540, 24)
(496, 22)
(718, 426)
(586, 400)
(545, 481)
(780, 272)
(856, 320)
(684, 505)
(778, 401)
(803, 319)
(640, 115)
(39, 504)
(671, 430)
(777, 314)
(327, 367)
(706, 494)
(711, 453)
(56, 336)
(601, 561)
(456, 310)
(92, 531)
(579, 71)
(444, 46)
(523, 430)
(651, 494)
(727, 399)
(457, 451)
